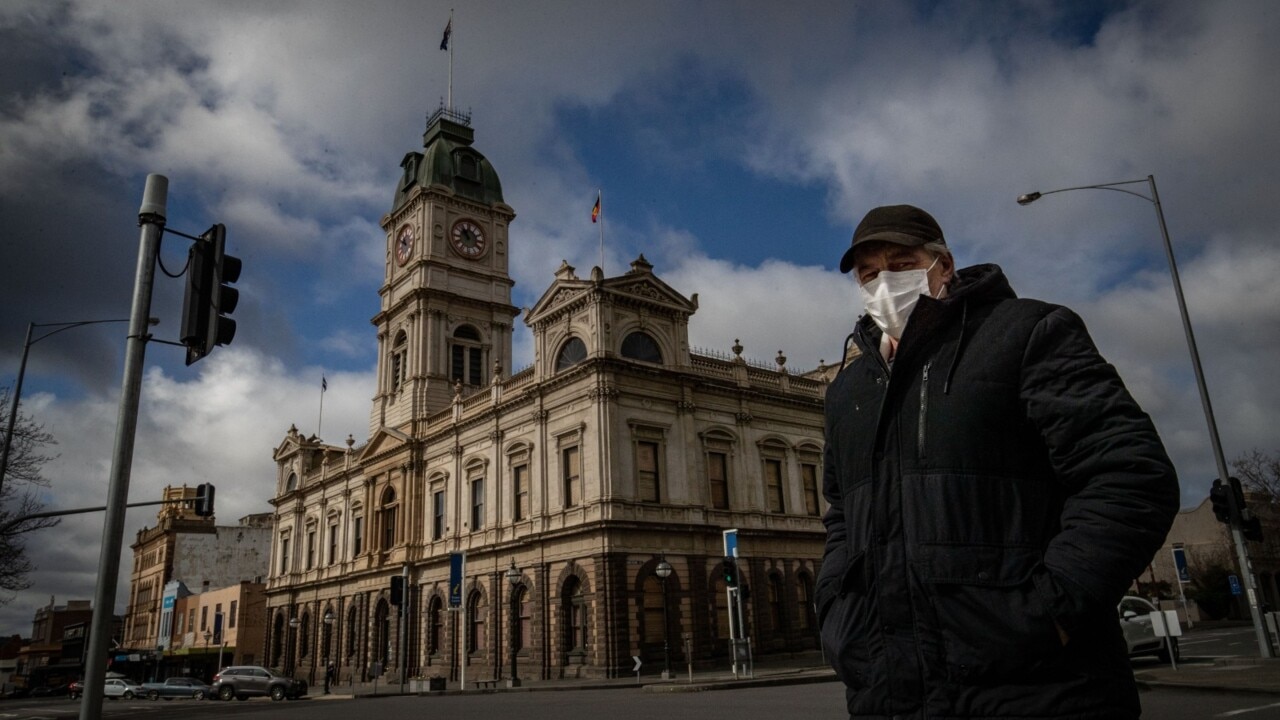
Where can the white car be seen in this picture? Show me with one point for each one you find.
(1139, 635)
(120, 688)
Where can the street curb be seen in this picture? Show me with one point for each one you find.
(1145, 685)
(745, 683)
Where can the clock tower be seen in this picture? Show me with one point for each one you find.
(446, 315)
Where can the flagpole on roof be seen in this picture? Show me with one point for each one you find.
(324, 385)
(448, 31)
(600, 214)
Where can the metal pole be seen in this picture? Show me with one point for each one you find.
(1246, 569)
(666, 634)
(151, 216)
(13, 407)
(404, 641)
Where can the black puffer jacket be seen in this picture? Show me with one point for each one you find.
(999, 484)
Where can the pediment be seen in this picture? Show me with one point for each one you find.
(383, 441)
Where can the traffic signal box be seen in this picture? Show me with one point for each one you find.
(209, 300)
(731, 572)
(1230, 508)
(204, 500)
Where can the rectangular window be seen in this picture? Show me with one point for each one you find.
(459, 363)
(773, 484)
(333, 543)
(182, 624)
(477, 503)
(647, 471)
(357, 532)
(718, 478)
(809, 478)
(572, 465)
(520, 488)
(437, 515)
(475, 367)
(311, 549)
(284, 556)
(204, 617)
(231, 618)
(191, 620)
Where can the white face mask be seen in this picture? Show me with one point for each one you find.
(891, 297)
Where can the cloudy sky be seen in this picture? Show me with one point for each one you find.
(736, 143)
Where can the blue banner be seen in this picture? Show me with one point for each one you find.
(455, 579)
(217, 628)
(1180, 562)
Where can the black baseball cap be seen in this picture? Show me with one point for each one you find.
(901, 224)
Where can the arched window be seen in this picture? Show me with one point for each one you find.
(571, 353)
(292, 483)
(382, 632)
(522, 618)
(399, 357)
(640, 346)
(653, 609)
(277, 641)
(475, 619)
(351, 631)
(574, 615)
(387, 518)
(805, 617)
(776, 611)
(721, 617)
(304, 636)
(435, 625)
(466, 356)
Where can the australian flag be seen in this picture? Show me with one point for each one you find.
(448, 30)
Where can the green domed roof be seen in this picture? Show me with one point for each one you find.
(449, 160)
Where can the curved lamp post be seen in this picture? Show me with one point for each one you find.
(513, 578)
(22, 371)
(328, 620)
(663, 571)
(294, 622)
(1264, 644)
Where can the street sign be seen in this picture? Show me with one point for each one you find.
(731, 543)
(1180, 562)
(636, 669)
(1234, 582)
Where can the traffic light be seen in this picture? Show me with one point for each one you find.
(198, 300)
(397, 589)
(204, 500)
(209, 301)
(1250, 525)
(1220, 496)
(731, 572)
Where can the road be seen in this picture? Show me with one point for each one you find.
(823, 700)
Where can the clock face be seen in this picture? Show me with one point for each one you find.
(404, 244)
(467, 239)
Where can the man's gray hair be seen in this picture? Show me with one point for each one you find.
(937, 248)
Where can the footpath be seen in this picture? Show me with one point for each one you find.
(1235, 674)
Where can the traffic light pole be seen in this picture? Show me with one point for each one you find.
(1246, 569)
(151, 218)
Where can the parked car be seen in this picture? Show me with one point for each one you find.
(1139, 635)
(177, 687)
(75, 689)
(121, 688)
(245, 681)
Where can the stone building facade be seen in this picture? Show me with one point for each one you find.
(619, 447)
(195, 550)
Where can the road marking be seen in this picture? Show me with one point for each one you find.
(1233, 713)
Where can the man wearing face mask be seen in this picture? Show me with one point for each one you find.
(994, 490)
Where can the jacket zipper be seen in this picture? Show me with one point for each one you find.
(924, 411)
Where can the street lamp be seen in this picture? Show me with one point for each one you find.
(663, 571)
(327, 619)
(22, 371)
(1264, 644)
(513, 578)
(294, 622)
